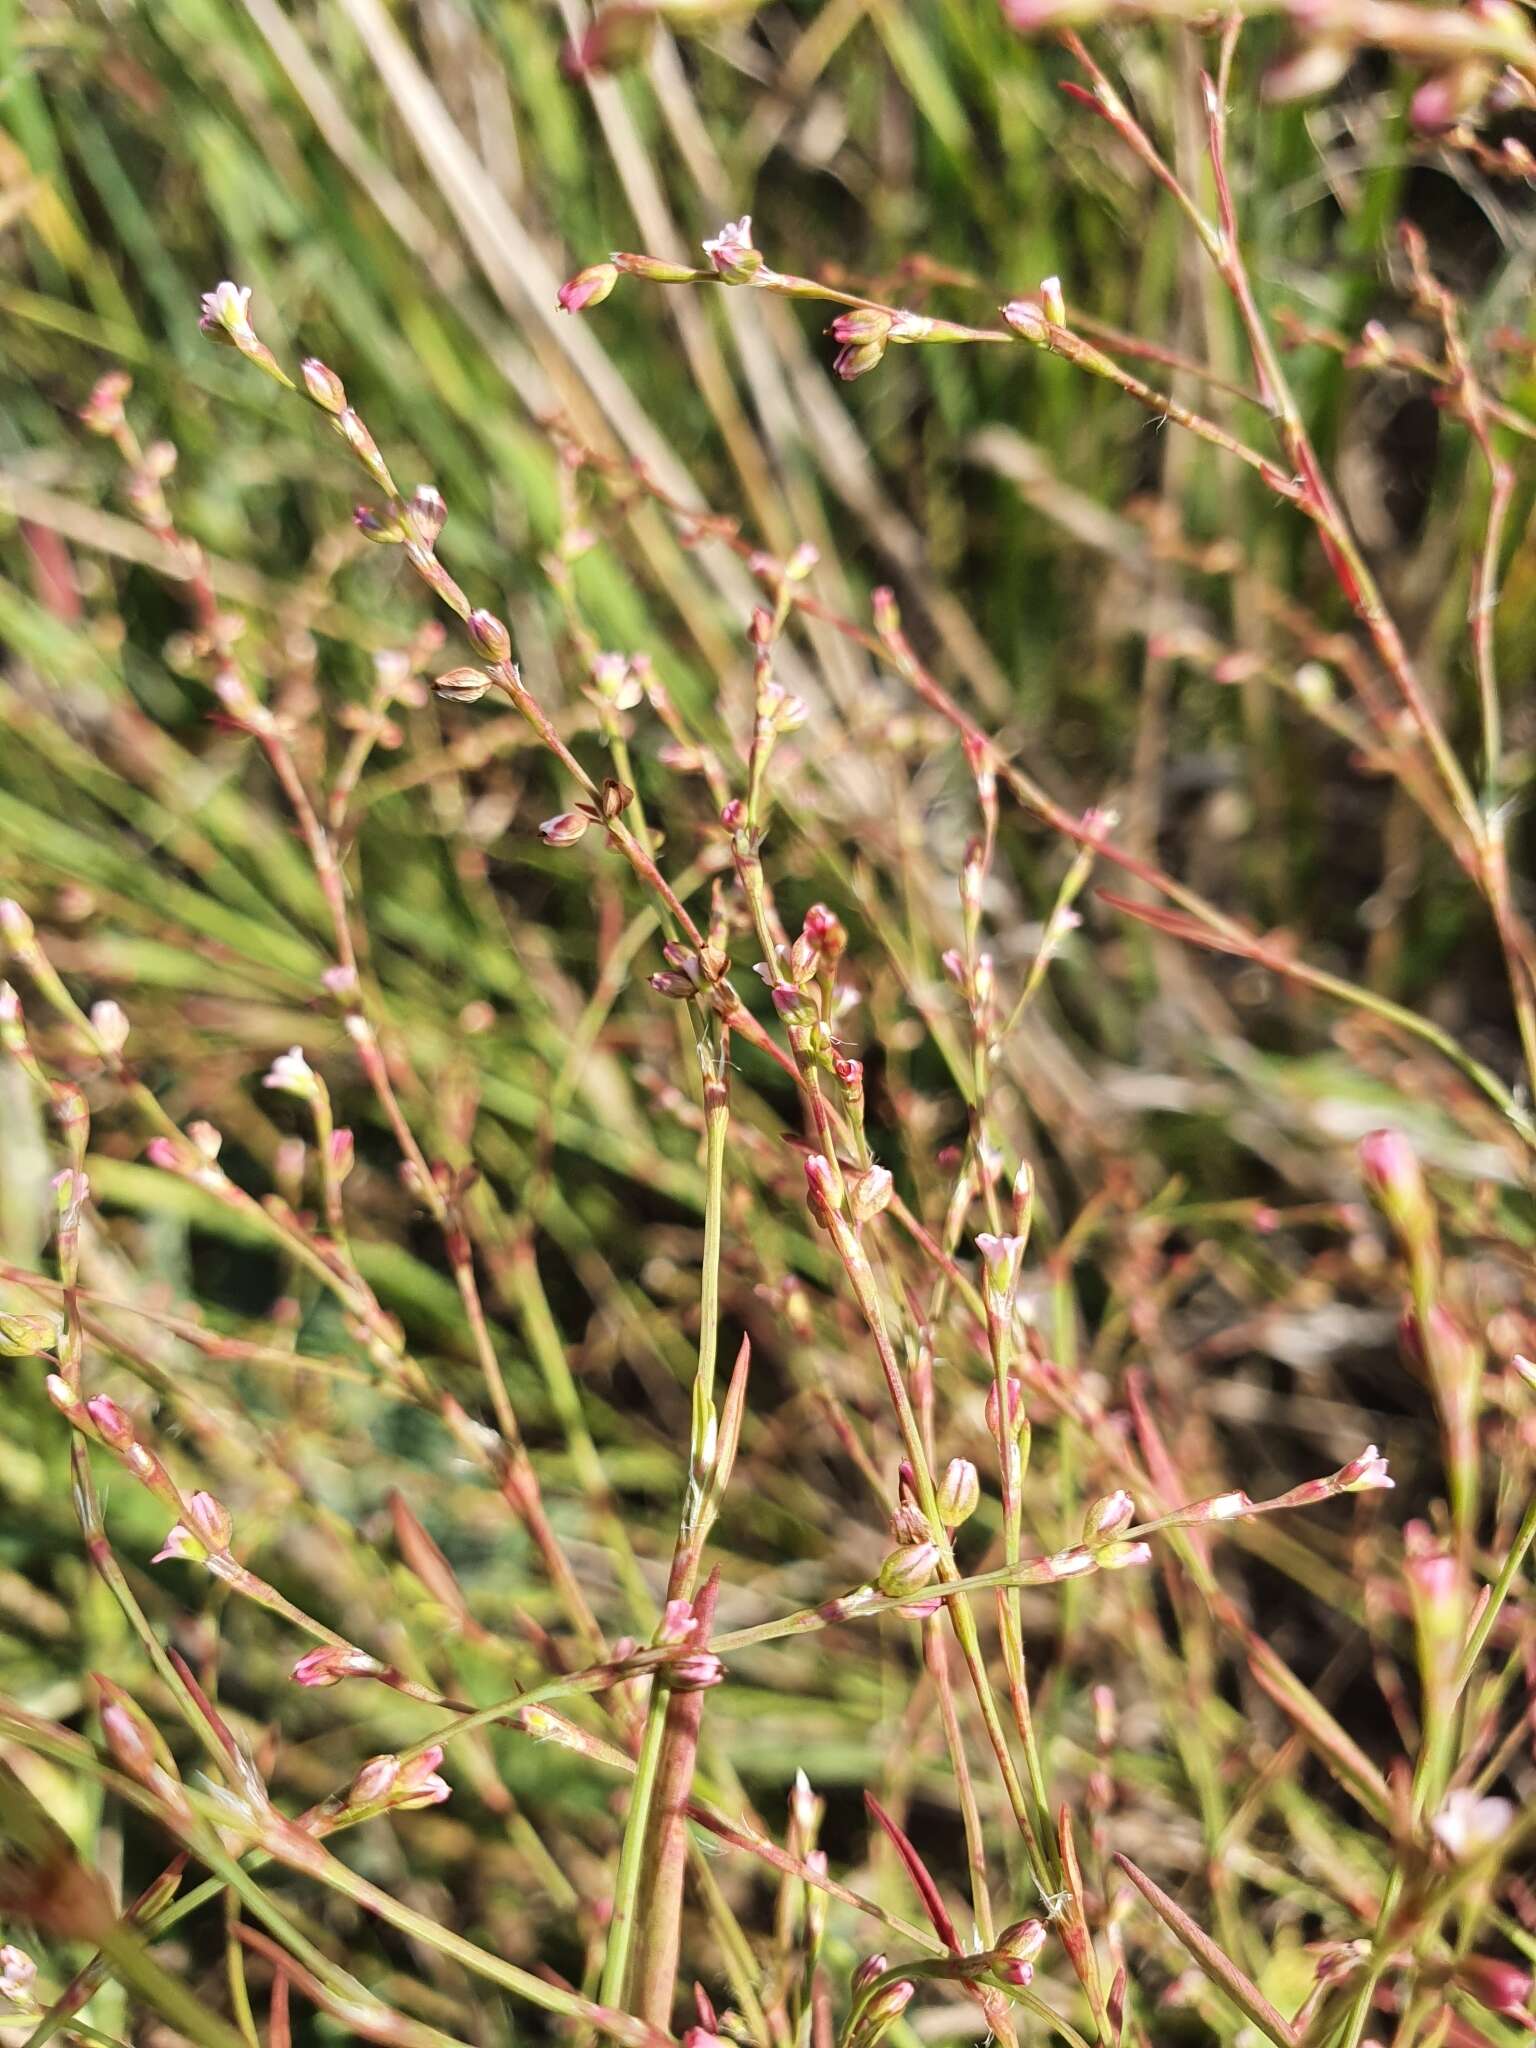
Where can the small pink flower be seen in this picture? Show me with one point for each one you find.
(588, 287)
(333, 1662)
(731, 252)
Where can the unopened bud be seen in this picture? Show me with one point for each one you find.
(1052, 304)
(588, 287)
(869, 1970)
(1393, 1175)
(110, 1025)
(324, 386)
(333, 1662)
(489, 635)
(959, 1492)
(1107, 1517)
(1018, 1419)
(696, 1672)
(909, 1569)
(429, 510)
(565, 829)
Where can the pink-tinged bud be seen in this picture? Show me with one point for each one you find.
(908, 1524)
(861, 324)
(1108, 1516)
(869, 1193)
(731, 253)
(489, 635)
(102, 412)
(1391, 1170)
(342, 1152)
(291, 1074)
(565, 829)
(374, 1782)
(429, 511)
(857, 360)
(869, 1970)
(1498, 1985)
(821, 1187)
(461, 685)
(130, 1734)
(1365, 1473)
(1121, 1557)
(162, 1152)
(703, 2037)
(696, 1672)
(1052, 304)
(419, 1782)
(1018, 1419)
(1026, 320)
(1467, 1825)
(651, 268)
(23, 1335)
(210, 1521)
(333, 1662)
(678, 1622)
(885, 2007)
(959, 1492)
(18, 1973)
(112, 1425)
(909, 1569)
(1021, 1943)
(323, 386)
(384, 528)
(588, 287)
(110, 1025)
(207, 1143)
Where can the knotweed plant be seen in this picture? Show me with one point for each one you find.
(639, 1431)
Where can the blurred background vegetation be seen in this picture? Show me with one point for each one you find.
(403, 188)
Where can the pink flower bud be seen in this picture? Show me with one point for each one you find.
(872, 1967)
(793, 1004)
(1392, 1172)
(1120, 1557)
(112, 1425)
(333, 1662)
(110, 1025)
(210, 1521)
(374, 1782)
(909, 1569)
(1026, 319)
(885, 2007)
(324, 386)
(430, 513)
(696, 1672)
(291, 1074)
(959, 1492)
(588, 287)
(564, 829)
(489, 635)
(1500, 1986)
(1107, 1517)
(1000, 1258)
(822, 1191)
(102, 412)
(857, 360)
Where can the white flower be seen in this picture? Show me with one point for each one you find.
(109, 1024)
(292, 1074)
(226, 310)
(1467, 1824)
